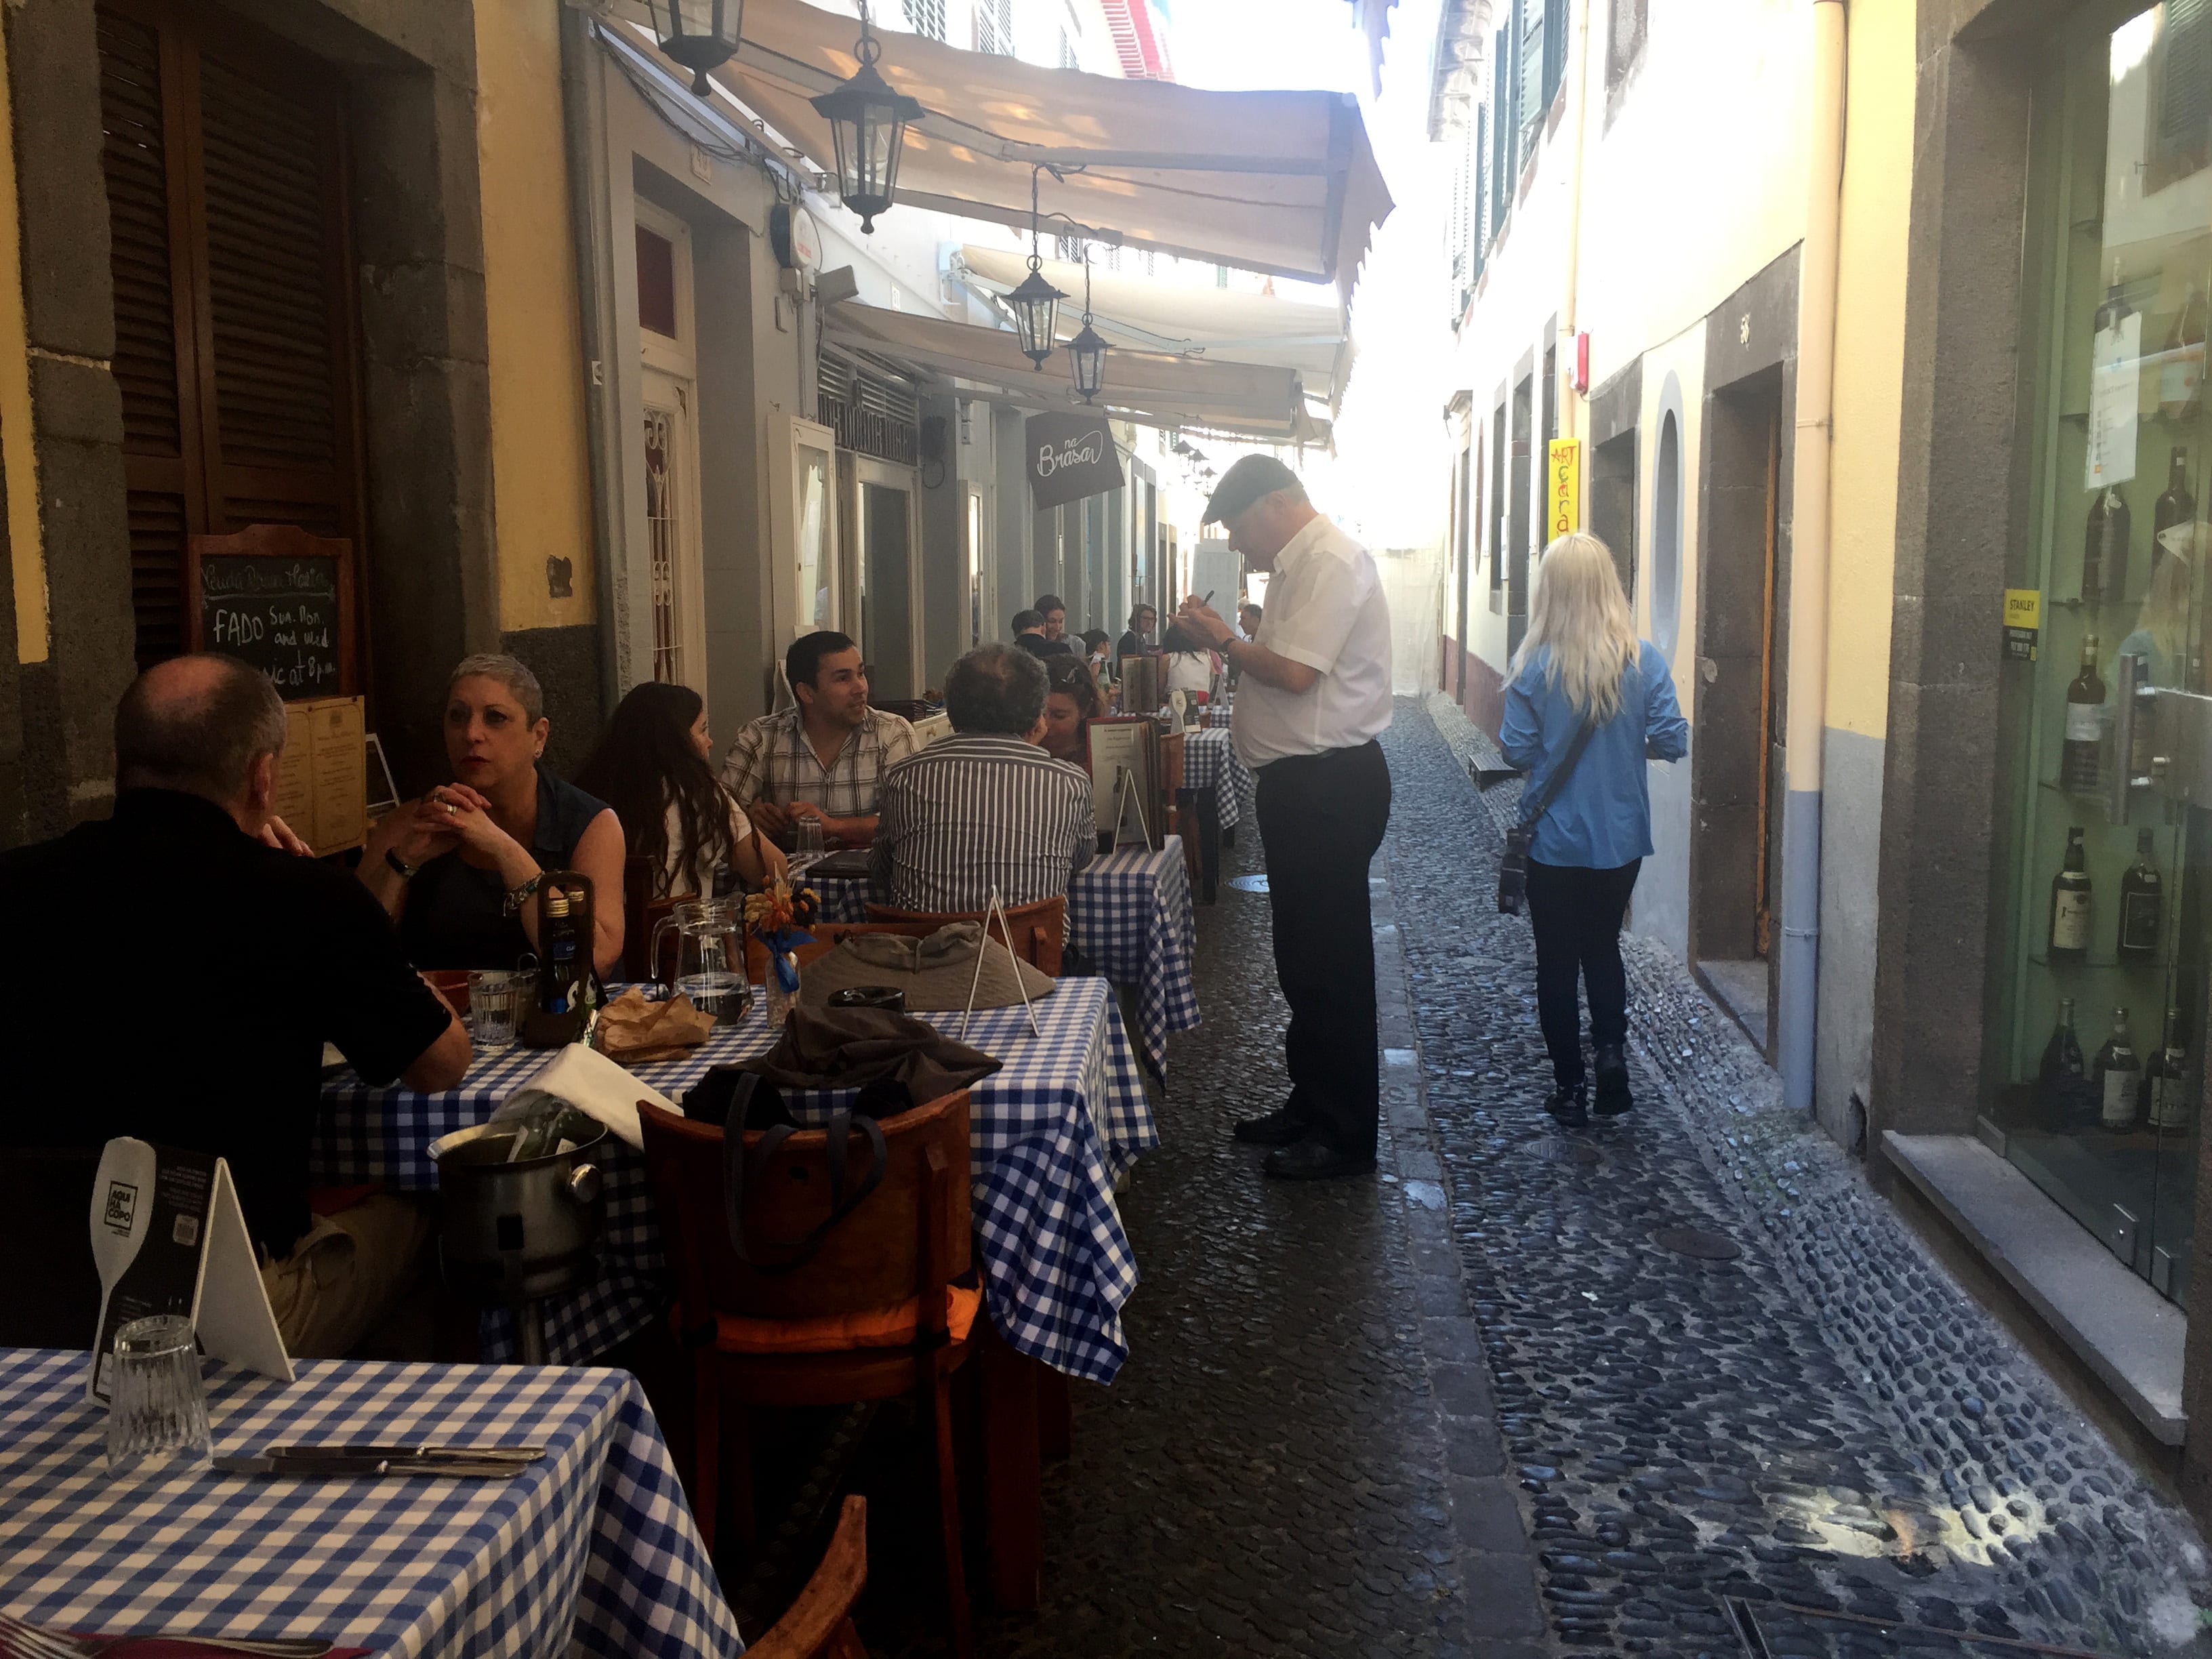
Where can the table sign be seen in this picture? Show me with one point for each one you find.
(168, 1237)
(1123, 752)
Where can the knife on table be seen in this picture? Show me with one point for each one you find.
(328, 1467)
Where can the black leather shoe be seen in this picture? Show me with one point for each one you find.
(1276, 1129)
(1613, 1097)
(1316, 1160)
(1570, 1106)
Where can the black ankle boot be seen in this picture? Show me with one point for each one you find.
(1570, 1106)
(1613, 1095)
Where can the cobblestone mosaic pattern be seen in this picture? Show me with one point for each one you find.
(1826, 1421)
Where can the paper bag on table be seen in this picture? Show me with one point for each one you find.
(595, 1085)
(632, 1032)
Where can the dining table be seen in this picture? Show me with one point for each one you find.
(1051, 1133)
(589, 1550)
(1128, 912)
(1220, 793)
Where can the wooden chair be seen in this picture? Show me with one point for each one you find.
(642, 913)
(900, 1253)
(1040, 929)
(818, 1624)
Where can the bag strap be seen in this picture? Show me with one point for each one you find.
(741, 1170)
(1531, 811)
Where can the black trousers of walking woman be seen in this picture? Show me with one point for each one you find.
(1576, 914)
(1321, 818)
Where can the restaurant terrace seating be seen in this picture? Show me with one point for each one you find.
(818, 1624)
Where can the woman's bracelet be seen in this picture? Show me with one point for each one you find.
(516, 896)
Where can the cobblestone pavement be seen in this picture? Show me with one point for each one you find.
(1828, 1421)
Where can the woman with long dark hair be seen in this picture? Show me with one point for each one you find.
(1071, 699)
(654, 768)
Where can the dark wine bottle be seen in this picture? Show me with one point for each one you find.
(2105, 548)
(2119, 1078)
(2177, 506)
(2080, 766)
(2181, 365)
(2069, 903)
(2062, 1085)
(2166, 1079)
(2142, 905)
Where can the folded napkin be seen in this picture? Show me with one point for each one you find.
(595, 1085)
(634, 1032)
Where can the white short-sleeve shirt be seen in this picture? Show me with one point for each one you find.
(1326, 609)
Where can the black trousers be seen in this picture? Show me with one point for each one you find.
(1576, 915)
(1322, 819)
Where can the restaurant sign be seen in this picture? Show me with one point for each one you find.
(1070, 457)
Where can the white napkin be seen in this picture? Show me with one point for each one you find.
(594, 1084)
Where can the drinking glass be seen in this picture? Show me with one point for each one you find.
(157, 1410)
(495, 999)
(808, 845)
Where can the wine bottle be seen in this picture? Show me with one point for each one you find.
(2181, 368)
(2119, 1078)
(2062, 1082)
(2105, 547)
(2166, 1079)
(2080, 766)
(2142, 905)
(2069, 903)
(2177, 506)
(2143, 731)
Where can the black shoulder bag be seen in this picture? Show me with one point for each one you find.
(1513, 862)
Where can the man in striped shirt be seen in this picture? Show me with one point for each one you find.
(986, 805)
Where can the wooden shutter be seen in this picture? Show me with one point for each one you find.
(1503, 127)
(1528, 61)
(2181, 135)
(224, 161)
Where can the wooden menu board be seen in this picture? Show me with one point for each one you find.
(322, 783)
(277, 598)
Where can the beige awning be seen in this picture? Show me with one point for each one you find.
(1148, 387)
(1217, 324)
(1281, 182)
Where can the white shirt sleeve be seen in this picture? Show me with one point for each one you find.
(1312, 629)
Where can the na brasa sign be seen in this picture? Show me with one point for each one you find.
(1070, 457)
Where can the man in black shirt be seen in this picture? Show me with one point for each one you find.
(1029, 633)
(203, 970)
(1139, 638)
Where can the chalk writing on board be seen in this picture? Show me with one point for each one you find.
(280, 615)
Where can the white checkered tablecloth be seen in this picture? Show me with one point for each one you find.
(591, 1550)
(1210, 760)
(1050, 1134)
(1129, 912)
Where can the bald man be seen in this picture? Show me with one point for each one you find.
(185, 948)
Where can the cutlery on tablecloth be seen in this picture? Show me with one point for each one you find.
(416, 1469)
(35, 1641)
(472, 1454)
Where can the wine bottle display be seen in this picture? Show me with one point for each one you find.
(2142, 905)
(2080, 762)
(2119, 1078)
(2105, 548)
(2069, 903)
(2166, 1079)
(2062, 1081)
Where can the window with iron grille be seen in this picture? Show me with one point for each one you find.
(1068, 57)
(1628, 22)
(1071, 248)
(927, 17)
(994, 26)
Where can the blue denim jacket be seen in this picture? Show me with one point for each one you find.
(1601, 816)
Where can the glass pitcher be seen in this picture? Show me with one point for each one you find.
(710, 957)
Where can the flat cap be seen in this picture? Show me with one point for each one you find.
(1247, 480)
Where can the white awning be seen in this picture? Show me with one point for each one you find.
(1148, 387)
(1217, 325)
(1281, 182)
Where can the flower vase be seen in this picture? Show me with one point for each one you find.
(782, 965)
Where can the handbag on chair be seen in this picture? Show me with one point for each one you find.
(1513, 862)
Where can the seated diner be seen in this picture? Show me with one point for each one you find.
(284, 953)
(655, 768)
(1071, 698)
(987, 806)
(459, 868)
(821, 758)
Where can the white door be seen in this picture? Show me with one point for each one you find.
(886, 535)
(803, 518)
(669, 390)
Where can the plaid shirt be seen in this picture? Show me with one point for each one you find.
(974, 809)
(772, 759)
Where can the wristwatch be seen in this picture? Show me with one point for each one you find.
(405, 870)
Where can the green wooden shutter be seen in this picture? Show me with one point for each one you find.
(1529, 63)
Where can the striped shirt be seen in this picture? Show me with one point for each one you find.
(773, 760)
(977, 808)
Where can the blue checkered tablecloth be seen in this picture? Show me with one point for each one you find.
(591, 1550)
(1050, 1134)
(1210, 760)
(1128, 911)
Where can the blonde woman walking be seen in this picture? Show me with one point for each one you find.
(1581, 662)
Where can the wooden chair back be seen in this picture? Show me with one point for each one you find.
(642, 914)
(907, 1240)
(1040, 929)
(818, 1624)
(827, 934)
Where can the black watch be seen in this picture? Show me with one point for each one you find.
(405, 870)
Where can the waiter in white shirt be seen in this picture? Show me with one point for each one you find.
(1313, 696)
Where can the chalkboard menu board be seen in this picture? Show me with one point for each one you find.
(279, 598)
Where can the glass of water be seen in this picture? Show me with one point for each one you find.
(494, 1005)
(808, 844)
(157, 1409)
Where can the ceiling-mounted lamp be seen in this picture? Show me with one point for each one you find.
(867, 126)
(1037, 302)
(699, 34)
(1087, 350)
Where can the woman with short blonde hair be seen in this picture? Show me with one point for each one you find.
(1581, 664)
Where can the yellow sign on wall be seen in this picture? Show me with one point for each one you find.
(1563, 509)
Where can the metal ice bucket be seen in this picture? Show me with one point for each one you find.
(515, 1233)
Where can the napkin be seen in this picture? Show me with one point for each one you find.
(635, 1032)
(595, 1085)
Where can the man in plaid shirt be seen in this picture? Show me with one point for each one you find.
(824, 759)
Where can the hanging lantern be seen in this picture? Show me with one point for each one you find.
(1087, 351)
(867, 124)
(699, 34)
(1036, 311)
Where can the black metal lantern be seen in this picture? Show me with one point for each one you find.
(1036, 311)
(699, 34)
(1087, 350)
(868, 123)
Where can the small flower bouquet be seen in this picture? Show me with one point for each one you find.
(778, 917)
